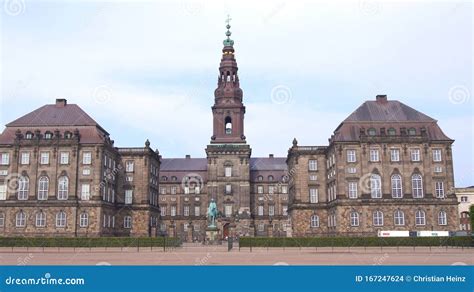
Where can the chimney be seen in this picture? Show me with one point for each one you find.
(61, 102)
(270, 156)
(381, 98)
(188, 156)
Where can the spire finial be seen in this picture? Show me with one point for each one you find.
(228, 42)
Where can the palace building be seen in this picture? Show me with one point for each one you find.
(387, 167)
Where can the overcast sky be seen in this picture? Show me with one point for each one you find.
(149, 69)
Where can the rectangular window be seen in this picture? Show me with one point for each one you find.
(129, 166)
(186, 190)
(313, 177)
(86, 157)
(163, 190)
(437, 155)
(351, 156)
(25, 158)
(173, 211)
(439, 188)
(4, 158)
(271, 189)
(271, 210)
(313, 195)
(284, 189)
(127, 222)
(261, 227)
(394, 155)
(173, 190)
(228, 210)
(415, 154)
(44, 158)
(197, 211)
(85, 192)
(351, 170)
(312, 165)
(228, 189)
(128, 196)
(352, 186)
(86, 171)
(438, 169)
(260, 189)
(197, 190)
(64, 158)
(3, 192)
(186, 211)
(374, 155)
(163, 210)
(228, 171)
(284, 210)
(260, 210)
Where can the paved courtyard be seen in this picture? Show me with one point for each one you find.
(218, 255)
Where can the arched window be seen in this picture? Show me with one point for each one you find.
(63, 188)
(442, 218)
(67, 135)
(260, 178)
(372, 132)
(399, 217)
(392, 132)
(314, 221)
(84, 219)
(377, 218)
(61, 219)
(397, 186)
(40, 219)
(43, 187)
(228, 125)
(375, 186)
(417, 186)
(270, 178)
(20, 219)
(127, 222)
(164, 178)
(412, 131)
(23, 187)
(354, 218)
(420, 217)
(48, 135)
(174, 178)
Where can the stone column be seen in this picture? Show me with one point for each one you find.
(190, 232)
(270, 229)
(171, 230)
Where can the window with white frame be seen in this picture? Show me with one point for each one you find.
(261, 227)
(63, 188)
(3, 192)
(351, 155)
(86, 157)
(417, 186)
(399, 218)
(420, 217)
(313, 195)
(284, 210)
(64, 157)
(40, 219)
(197, 190)
(375, 186)
(85, 192)
(377, 218)
(43, 188)
(228, 171)
(84, 219)
(174, 190)
(442, 218)
(86, 171)
(260, 210)
(61, 219)
(415, 154)
(228, 189)
(228, 210)
(312, 165)
(127, 222)
(284, 189)
(314, 221)
(163, 210)
(44, 158)
(374, 155)
(439, 189)
(23, 188)
(354, 218)
(271, 210)
(129, 166)
(437, 155)
(2, 219)
(197, 210)
(20, 219)
(25, 158)
(4, 158)
(260, 189)
(313, 177)
(186, 211)
(271, 190)
(173, 211)
(396, 181)
(128, 196)
(438, 169)
(352, 188)
(395, 155)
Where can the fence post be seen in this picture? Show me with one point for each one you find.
(138, 245)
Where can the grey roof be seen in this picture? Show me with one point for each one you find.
(267, 163)
(183, 164)
(391, 110)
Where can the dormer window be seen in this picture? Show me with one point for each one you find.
(48, 135)
(228, 125)
(67, 135)
(371, 132)
(29, 135)
(392, 132)
(260, 178)
(412, 131)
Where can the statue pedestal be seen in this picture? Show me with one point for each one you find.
(212, 235)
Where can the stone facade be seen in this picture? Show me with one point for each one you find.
(465, 198)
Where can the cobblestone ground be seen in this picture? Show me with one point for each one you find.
(218, 255)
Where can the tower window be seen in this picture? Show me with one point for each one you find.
(228, 125)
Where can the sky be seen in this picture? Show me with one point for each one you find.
(148, 69)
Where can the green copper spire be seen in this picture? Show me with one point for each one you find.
(228, 42)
